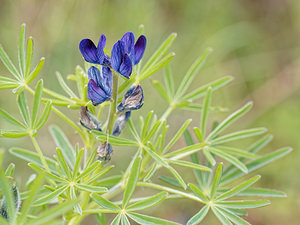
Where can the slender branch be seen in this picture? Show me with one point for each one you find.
(39, 151)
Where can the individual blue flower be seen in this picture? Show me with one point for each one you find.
(93, 54)
(100, 85)
(132, 100)
(120, 123)
(126, 53)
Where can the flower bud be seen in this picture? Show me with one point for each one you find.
(104, 152)
(120, 123)
(88, 120)
(132, 100)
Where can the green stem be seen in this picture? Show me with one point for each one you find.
(39, 151)
(167, 112)
(113, 106)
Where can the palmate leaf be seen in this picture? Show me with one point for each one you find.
(114, 140)
(9, 118)
(105, 203)
(51, 196)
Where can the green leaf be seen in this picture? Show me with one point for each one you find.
(148, 202)
(198, 217)
(216, 181)
(221, 216)
(149, 220)
(105, 203)
(161, 90)
(52, 213)
(77, 163)
(10, 170)
(132, 180)
(36, 71)
(177, 176)
(89, 170)
(7, 193)
(237, 189)
(180, 153)
(29, 55)
(199, 92)
(191, 73)
(22, 49)
(64, 144)
(153, 130)
(160, 52)
(236, 151)
(124, 220)
(170, 180)
(147, 73)
(116, 220)
(233, 160)
(6, 116)
(62, 163)
(239, 135)
(160, 160)
(206, 105)
(146, 125)
(262, 192)
(23, 107)
(33, 158)
(34, 190)
(177, 135)
(73, 196)
(36, 103)
(51, 196)
(64, 86)
(8, 64)
(97, 175)
(234, 218)
(117, 141)
(90, 188)
(229, 120)
(243, 204)
(211, 159)
(44, 115)
(199, 108)
(40, 170)
(189, 165)
(169, 80)
(257, 163)
(13, 133)
(197, 192)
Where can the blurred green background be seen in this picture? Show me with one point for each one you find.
(255, 41)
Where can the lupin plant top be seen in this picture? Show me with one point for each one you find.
(74, 178)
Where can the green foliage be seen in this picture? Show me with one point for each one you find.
(74, 184)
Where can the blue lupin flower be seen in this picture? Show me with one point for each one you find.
(132, 100)
(120, 123)
(100, 85)
(126, 53)
(93, 54)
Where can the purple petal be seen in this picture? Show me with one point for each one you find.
(107, 80)
(117, 55)
(128, 40)
(88, 50)
(95, 93)
(94, 73)
(100, 48)
(139, 49)
(126, 67)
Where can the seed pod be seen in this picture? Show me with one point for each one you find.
(88, 119)
(132, 100)
(17, 200)
(104, 152)
(120, 123)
